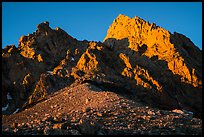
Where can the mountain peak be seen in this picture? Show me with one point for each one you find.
(125, 17)
(142, 61)
(122, 16)
(123, 26)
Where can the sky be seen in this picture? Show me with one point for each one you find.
(91, 20)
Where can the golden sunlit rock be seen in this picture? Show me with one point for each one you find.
(157, 39)
(138, 59)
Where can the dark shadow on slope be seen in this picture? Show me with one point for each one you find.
(192, 55)
(47, 85)
(20, 66)
(108, 86)
(174, 94)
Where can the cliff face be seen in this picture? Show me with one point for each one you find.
(171, 63)
(181, 55)
(136, 57)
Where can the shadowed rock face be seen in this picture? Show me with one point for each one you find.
(171, 63)
(136, 57)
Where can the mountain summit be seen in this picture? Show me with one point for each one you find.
(137, 59)
(172, 63)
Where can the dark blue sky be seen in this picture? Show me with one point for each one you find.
(91, 20)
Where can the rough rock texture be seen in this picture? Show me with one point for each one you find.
(37, 55)
(88, 110)
(168, 65)
(137, 58)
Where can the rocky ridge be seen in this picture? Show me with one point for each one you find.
(152, 65)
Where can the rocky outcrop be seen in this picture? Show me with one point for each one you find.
(152, 41)
(38, 53)
(136, 57)
(169, 65)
